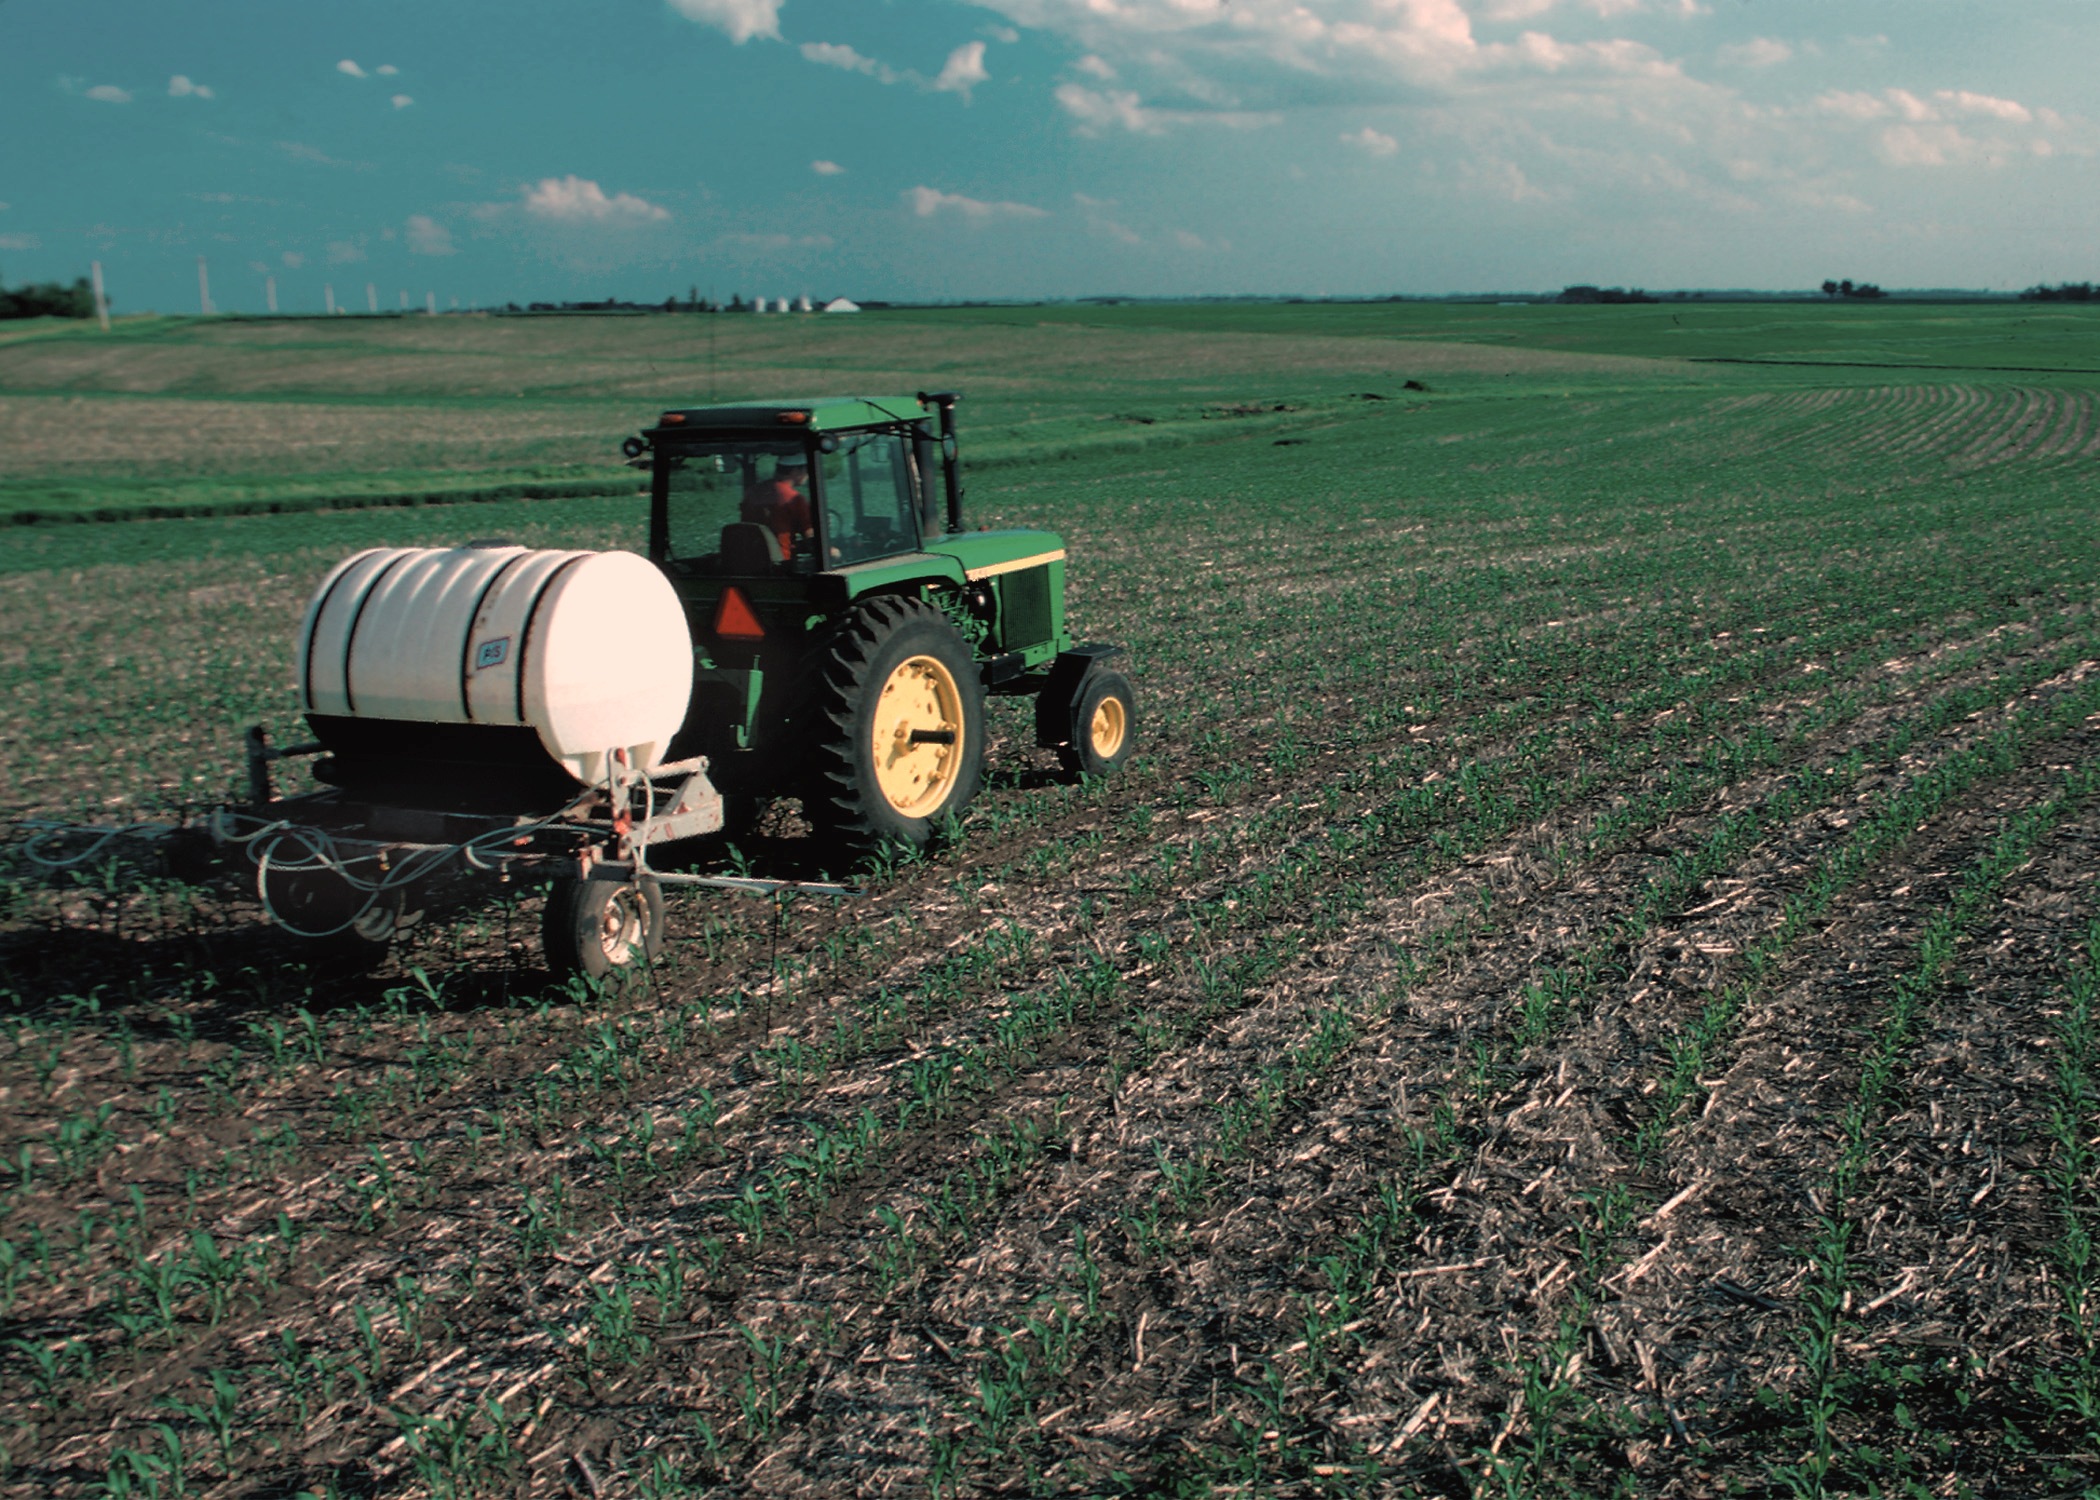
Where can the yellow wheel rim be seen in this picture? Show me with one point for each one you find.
(918, 735)
(1106, 729)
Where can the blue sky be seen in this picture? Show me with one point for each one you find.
(485, 151)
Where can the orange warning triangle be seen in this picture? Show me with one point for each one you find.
(735, 620)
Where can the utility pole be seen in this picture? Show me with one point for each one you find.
(203, 289)
(371, 297)
(101, 300)
(404, 299)
(329, 293)
(430, 304)
(270, 293)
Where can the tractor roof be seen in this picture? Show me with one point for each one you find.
(811, 414)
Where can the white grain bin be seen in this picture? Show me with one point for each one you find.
(494, 656)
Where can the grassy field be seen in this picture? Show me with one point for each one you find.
(1591, 984)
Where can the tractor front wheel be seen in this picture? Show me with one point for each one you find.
(598, 927)
(1095, 727)
(899, 726)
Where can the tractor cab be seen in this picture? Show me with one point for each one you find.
(793, 488)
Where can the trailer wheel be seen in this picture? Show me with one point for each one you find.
(597, 927)
(1095, 728)
(342, 928)
(899, 725)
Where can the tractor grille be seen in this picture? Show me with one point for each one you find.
(1024, 607)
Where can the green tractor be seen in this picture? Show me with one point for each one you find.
(847, 628)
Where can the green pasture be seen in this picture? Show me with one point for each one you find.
(181, 417)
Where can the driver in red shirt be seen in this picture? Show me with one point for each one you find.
(781, 505)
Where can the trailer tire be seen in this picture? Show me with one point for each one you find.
(603, 926)
(339, 928)
(895, 677)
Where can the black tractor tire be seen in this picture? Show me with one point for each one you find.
(898, 728)
(1095, 727)
(603, 926)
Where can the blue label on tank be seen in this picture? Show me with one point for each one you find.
(492, 653)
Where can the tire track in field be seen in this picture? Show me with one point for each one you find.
(1963, 427)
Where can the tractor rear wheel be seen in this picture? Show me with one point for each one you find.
(899, 726)
(598, 927)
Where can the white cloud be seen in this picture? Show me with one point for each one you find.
(1004, 34)
(181, 86)
(109, 93)
(386, 70)
(929, 202)
(426, 236)
(963, 71)
(1923, 145)
(838, 55)
(740, 20)
(1099, 110)
(1096, 67)
(1371, 142)
(1903, 104)
(293, 259)
(350, 68)
(827, 169)
(1851, 104)
(401, 101)
(343, 253)
(578, 200)
(1758, 52)
(1967, 103)
(300, 151)
(20, 242)
(1096, 110)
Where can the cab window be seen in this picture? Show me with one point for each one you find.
(736, 508)
(870, 505)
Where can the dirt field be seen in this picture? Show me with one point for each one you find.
(1591, 987)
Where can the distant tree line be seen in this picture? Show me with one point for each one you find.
(48, 299)
(1864, 291)
(1602, 294)
(2064, 291)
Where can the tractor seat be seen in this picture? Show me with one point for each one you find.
(748, 548)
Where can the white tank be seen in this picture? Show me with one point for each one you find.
(589, 649)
